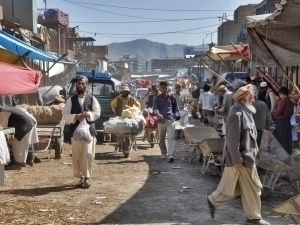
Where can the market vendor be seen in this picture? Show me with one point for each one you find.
(25, 133)
(283, 114)
(124, 99)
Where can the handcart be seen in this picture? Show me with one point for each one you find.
(50, 137)
(151, 134)
(290, 207)
(204, 144)
(274, 168)
(125, 143)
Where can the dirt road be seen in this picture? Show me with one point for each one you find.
(143, 189)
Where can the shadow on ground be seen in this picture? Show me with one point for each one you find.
(38, 191)
(152, 204)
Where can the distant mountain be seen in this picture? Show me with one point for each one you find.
(144, 50)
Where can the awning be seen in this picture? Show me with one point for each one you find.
(21, 48)
(279, 31)
(57, 69)
(10, 58)
(18, 80)
(229, 52)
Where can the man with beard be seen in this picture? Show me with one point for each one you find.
(124, 99)
(240, 152)
(79, 107)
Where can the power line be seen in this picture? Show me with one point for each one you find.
(168, 32)
(165, 10)
(150, 21)
(137, 17)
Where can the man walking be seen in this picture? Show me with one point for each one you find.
(180, 97)
(166, 110)
(207, 102)
(240, 152)
(79, 107)
(262, 118)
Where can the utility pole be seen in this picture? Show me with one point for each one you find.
(224, 17)
(45, 1)
(210, 36)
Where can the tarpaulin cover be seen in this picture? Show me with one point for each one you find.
(18, 80)
(281, 33)
(229, 52)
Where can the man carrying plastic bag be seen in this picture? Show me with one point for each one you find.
(81, 111)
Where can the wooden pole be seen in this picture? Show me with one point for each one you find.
(219, 64)
(274, 58)
(260, 71)
(207, 67)
(222, 60)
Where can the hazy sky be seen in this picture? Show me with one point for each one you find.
(191, 32)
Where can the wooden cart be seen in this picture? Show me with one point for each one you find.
(50, 137)
(290, 207)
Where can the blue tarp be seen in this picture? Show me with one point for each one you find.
(21, 48)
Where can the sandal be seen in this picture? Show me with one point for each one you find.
(80, 183)
(86, 183)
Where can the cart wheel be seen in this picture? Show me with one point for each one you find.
(126, 154)
(58, 148)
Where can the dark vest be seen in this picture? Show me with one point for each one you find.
(18, 119)
(77, 109)
(120, 109)
(268, 101)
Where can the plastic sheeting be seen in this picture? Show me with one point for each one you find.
(280, 32)
(228, 52)
(18, 80)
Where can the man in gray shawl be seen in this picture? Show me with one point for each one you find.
(240, 152)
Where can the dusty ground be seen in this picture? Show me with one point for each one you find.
(141, 190)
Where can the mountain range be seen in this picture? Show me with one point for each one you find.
(144, 49)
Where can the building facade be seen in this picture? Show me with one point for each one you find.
(171, 64)
(226, 32)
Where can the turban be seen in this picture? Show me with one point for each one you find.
(242, 93)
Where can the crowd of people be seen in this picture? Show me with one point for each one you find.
(246, 111)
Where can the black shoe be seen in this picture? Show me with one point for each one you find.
(37, 160)
(171, 159)
(211, 208)
(13, 166)
(257, 222)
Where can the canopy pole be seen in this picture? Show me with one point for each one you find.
(222, 60)
(65, 73)
(56, 61)
(207, 67)
(274, 58)
(260, 71)
(219, 64)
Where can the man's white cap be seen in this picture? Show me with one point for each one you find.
(263, 84)
(253, 78)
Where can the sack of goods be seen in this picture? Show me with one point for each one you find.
(131, 122)
(45, 114)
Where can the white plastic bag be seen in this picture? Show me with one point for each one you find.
(82, 132)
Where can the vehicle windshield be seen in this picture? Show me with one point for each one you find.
(96, 89)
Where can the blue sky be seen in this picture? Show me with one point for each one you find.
(192, 32)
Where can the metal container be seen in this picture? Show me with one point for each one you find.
(184, 117)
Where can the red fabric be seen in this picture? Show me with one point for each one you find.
(151, 122)
(17, 80)
(142, 83)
